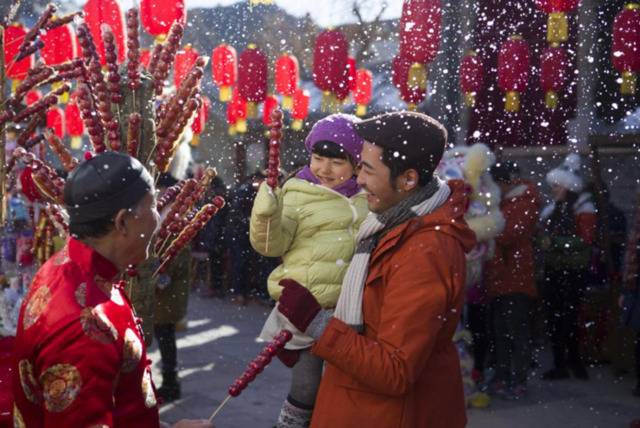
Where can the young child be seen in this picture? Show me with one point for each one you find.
(312, 224)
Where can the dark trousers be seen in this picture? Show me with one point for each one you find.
(478, 324)
(638, 357)
(564, 293)
(511, 318)
(166, 336)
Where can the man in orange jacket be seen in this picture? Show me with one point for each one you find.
(388, 345)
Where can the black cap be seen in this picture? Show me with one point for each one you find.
(103, 185)
(416, 136)
(166, 180)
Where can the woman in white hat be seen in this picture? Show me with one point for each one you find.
(569, 224)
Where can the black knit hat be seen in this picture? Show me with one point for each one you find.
(103, 185)
(416, 136)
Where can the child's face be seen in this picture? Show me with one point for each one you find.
(331, 171)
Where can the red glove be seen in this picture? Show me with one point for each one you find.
(297, 304)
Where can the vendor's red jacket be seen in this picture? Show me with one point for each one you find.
(80, 358)
(511, 270)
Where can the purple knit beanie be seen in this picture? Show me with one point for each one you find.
(337, 128)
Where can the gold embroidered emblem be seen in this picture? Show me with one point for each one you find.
(61, 384)
(148, 394)
(81, 294)
(97, 325)
(18, 421)
(132, 351)
(28, 381)
(36, 305)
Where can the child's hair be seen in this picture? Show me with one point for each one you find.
(329, 149)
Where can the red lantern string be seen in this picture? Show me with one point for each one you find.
(224, 69)
(513, 70)
(626, 47)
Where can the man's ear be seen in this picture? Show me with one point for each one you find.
(407, 181)
(119, 221)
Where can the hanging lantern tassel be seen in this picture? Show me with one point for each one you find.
(551, 100)
(326, 101)
(297, 124)
(417, 76)
(470, 99)
(287, 102)
(557, 28)
(512, 101)
(76, 143)
(241, 125)
(232, 130)
(361, 110)
(252, 110)
(412, 107)
(225, 94)
(195, 141)
(629, 83)
(64, 98)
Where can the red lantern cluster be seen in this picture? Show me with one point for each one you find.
(626, 47)
(557, 23)
(106, 12)
(252, 78)
(554, 63)
(74, 124)
(513, 70)
(471, 77)
(300, 111)
(363, 90)
(157, 16)
(224, 69)
(287, 74)
(330, 58)
(419, 38)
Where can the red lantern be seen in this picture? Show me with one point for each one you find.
(145, 57)
(286, 77)
(471, 77)
(199, 122)
(341, 90)
(330, 57)
(252, 78)
(362, 93)
(553, 74)
(270, 104)
(626, 46)
(55, 121)
(224, 69)
(32, 97)
(238, 107)
(420, 37)
(231, 119)
(513, 70)
(184, 62)
(99, 12)
(557, 24)
(410, 95)
(74, 124)
(300, 111)
(13, 36)
(157, 16)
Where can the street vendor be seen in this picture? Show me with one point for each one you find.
(80, 355)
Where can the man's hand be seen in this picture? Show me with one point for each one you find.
(297, 304)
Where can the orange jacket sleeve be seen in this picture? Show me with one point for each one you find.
(413, 313)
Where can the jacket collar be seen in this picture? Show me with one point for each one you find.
(92, 263)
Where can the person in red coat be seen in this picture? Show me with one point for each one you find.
(390, 358)
(509, 278)
(80, 358)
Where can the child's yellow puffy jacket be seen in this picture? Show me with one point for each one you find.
(313, 229)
